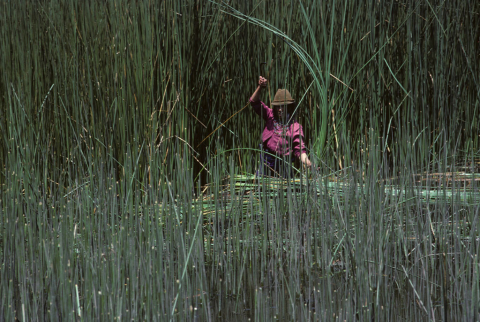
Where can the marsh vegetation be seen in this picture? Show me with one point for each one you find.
(128, 155)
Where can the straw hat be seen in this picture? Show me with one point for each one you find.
(282, 97)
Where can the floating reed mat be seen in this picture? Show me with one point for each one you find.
(240, 193)
(459, 188)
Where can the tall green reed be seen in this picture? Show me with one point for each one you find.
(104, 213)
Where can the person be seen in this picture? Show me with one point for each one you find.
(282, 137)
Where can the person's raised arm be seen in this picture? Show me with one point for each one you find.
(262, 83)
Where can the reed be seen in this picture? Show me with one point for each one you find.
(127, 162)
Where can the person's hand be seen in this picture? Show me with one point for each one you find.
(307, 164)
(305, 160)
(262, 82)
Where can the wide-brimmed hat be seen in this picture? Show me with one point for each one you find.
(282, 97)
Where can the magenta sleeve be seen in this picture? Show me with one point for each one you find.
(261, 109)
(298, 142)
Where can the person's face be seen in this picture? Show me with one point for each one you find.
(280, 112)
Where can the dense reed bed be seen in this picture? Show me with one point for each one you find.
(128, 157)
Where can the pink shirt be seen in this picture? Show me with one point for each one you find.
(282, 141)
